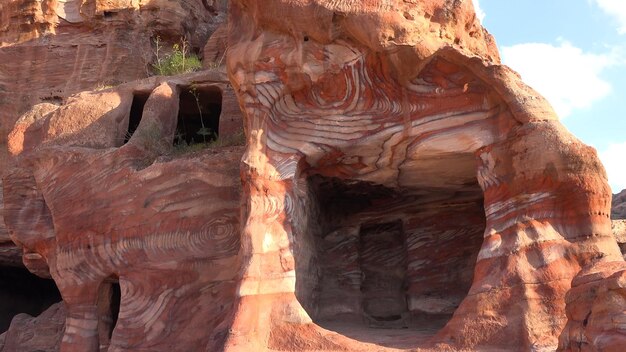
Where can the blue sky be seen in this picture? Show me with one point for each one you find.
(574, 53)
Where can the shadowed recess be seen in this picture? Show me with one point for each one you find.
(136, 111)
(23, 292)
(109, 301)
(388, 265)
(198, 115)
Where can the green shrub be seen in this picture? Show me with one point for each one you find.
(177, 62)
(237, 139)
(102, 86)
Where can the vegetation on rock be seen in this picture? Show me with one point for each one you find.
(179, 61)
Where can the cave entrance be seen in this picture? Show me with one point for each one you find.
(109, 302)
(136, 112)
(23, 292)
(390, 265)
(199, 115)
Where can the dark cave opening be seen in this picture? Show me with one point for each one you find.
(136, 112)
(109, 302)
(198, 115)
(23, 292)
(384, 265)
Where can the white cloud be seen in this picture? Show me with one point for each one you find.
(567, 76)
(479, 12)
(617, 9)
(614, 161)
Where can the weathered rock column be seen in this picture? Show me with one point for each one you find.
(369, 92)
(540, 232)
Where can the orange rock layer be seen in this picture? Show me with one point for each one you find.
(473, 167)
(95, 207)
(399, 189)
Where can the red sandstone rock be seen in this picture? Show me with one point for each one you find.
(215, 48)
(52, 49)
(404, 112)
(95, 211)
(595, 310)
(42, 333)
(10, 254)
(401, 190)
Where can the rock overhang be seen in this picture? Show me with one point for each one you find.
(327, 97)
(385, 147)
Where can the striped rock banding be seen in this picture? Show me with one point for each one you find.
(401, 117)
(53, 49)
(618, 208)
(399, 189)
(90, 211)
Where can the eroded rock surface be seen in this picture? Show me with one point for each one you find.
(424, 138)
(618, 216)
(52, 49)
(399, 189)
(619, 231)
(42, 333)
(141, 238)
(618, 209)
(10, 254)
(595, 310)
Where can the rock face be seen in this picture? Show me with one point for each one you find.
(52, 49)
(595, 310)
(10, 254)
(398, 175)
(42, 333)
(618, 206)
(399, 189)
(619, 231)
(135, 233)
(618, 214)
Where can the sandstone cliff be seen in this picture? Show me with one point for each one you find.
(377, 131)
(618, 215)
(395, 187)
(106, 203)
(52, 49)
(618, 206)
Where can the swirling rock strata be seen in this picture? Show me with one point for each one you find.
(401, 190)
(94, 207)
(42, 333)
(388, 150)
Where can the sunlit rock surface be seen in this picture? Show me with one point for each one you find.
(398, 176)
(52, 49)
(595, 309)
(140, 236)
(397, 188)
